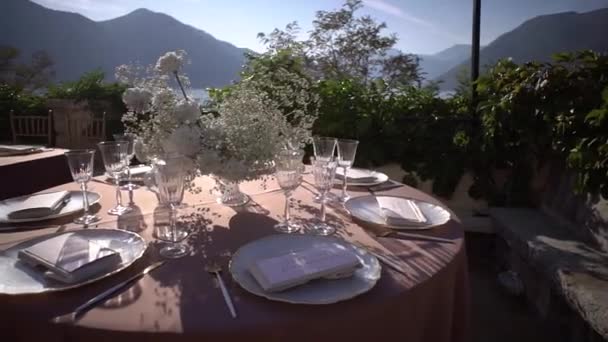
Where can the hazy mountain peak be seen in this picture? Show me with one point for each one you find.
(539, 38)
(78, 45)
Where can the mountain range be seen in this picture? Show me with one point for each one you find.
(435, 65)
(539, 38)
(78, 45)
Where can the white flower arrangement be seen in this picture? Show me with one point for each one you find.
(236, 143)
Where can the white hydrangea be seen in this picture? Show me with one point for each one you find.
(185, 140)
(187, 112)
(163, 98)
(137, 99)
(171, 62)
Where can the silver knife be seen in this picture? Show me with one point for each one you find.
(74, 315)
(385, 260)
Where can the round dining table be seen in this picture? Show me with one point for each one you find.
(427, 300)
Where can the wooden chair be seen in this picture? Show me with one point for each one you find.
(85, 132)
(30, 126)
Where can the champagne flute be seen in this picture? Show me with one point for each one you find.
(324, 149)
(81, 167)
(324, 172)
(347, 149)
(114, 155)
(130, 140)
(289, 176)
(170, 179)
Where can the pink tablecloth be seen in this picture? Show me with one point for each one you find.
(181, 302)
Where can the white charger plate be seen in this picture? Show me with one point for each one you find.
(316, 292)
(19, 279)
(74, 205)
(379, 177)
(366, 209)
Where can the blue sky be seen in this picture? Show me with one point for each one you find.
(423, 26)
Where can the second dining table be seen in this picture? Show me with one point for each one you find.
(24, 174)
(182, 302)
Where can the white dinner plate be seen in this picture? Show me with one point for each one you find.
(379, 177)
(366, 209)
(74, 205)
(320, 291)
(18, 278)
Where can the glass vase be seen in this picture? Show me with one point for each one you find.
(229, 193)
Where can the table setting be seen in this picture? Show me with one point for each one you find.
(228, 236)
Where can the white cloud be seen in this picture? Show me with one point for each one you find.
(388, 8)
(95, 9)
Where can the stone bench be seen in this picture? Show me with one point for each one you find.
(563, 276)
(560, 252)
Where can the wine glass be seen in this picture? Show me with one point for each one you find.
(324, 149)
(323, 172)
(170, 179)
(114, 155)
(347, 149)
(289, 176)
(81, 167)
(130, 140)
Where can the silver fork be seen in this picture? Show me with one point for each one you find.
(216, 269)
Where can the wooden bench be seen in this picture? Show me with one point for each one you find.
(559, 251)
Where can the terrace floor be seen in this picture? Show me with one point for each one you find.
(496, 315)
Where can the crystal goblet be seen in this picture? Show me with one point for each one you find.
(81, 167)
(347, 149)
(323, 172)
(289, 176)
(114, 155)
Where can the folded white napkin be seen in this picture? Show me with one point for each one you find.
(400, 211)
(356, 175)
(39, 205)
(137, 171)
(299, 267)
(70, 258)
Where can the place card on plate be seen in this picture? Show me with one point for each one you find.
(400, 211)
(356, 175)
(38, 205)
(299, 267)
(139, 170)
(70, 258)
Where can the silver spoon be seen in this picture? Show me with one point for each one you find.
(216, 269)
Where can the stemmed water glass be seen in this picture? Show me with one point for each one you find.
(169, 177)
(114, 155)
(347, 149)
(289, 176)
(81, 167)
(324, 149)
(323, 172)
(130, 140)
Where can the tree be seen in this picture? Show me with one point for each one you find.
(342, 45)
(33, 76)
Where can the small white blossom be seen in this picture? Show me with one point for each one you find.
(163, 98)
(137, 99)
(170, 62)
